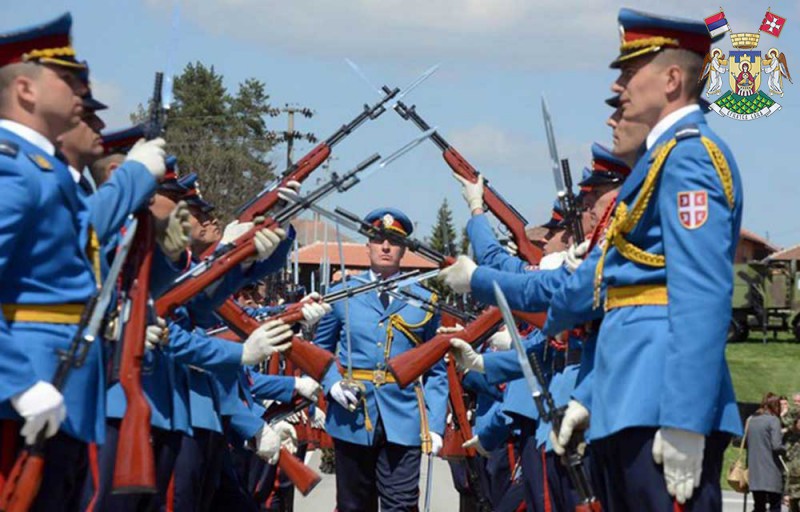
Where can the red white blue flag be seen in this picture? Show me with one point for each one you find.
(717, 24)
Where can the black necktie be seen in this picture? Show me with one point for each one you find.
(384, 299)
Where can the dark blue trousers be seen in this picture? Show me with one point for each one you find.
(385, 471)
(533, 469)
(198, 470)
(498, 474)
(627, 478)
(97, 495)
(232, 493)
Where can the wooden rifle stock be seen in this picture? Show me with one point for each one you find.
(298, 172)
(312, 360)
(23, 483)
(302, 476)
(409, 365)
(497, 206)
(191, 286)
(459, 431)
(135, 469)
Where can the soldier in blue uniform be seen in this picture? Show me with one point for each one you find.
(49, 259)
(378, 434)
(666, 274)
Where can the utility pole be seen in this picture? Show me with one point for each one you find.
(290, 134)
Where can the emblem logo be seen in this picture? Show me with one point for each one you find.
(746, 67)
(388, 220)
(693, 208)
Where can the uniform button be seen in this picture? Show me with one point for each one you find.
(380, 344)
(380, 324)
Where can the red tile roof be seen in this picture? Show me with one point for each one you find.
(355, 256)
(790, 253)
(749, 235)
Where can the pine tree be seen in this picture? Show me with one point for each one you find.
(443, 236)
(464, 244)
(443, 240)
(223, 137)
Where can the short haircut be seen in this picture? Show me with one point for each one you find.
(10, 72)
(692, 65)
(100, 167)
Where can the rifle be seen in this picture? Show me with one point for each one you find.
(25, 478)
(461, 433)
(548, 412)
(302, 476)
(214, 267)
(134, 468)
(309, 358)
(563, 179)
(501, 209)
(156, 118)
(299, 171)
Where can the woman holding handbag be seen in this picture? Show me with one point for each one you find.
(764, 446)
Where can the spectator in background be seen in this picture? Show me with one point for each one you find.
(792, 443)
(764, 445)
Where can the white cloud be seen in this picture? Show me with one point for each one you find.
(514, 33)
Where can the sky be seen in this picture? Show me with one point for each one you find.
(497, 58)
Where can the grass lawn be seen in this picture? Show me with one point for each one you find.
(757, 368)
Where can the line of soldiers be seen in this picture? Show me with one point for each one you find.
(633, 342)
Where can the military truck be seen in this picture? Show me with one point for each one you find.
(766, 298)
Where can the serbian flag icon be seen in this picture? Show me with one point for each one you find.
(772, 24)
(693, 208)
(717, 24)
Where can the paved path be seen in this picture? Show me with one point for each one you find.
(444, 497)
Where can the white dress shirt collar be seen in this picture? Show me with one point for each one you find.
(30, 135)
(668, 122)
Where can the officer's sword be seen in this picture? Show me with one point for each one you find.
(534, 376)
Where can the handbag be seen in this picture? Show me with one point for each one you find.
(738, 477)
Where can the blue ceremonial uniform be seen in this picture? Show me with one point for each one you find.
(370, 326)
(42, 261)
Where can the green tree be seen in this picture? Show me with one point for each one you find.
(464, 244)
(443, 237)
(221, 136)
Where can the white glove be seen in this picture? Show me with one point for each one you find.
(268, 445)
(501, 340)
(318, 421)
(681, 452)
(175, 237)
(287, 435)
(234, 230)
(313, 311)
(512, 248)
(553, 260)
(465, 355)
(307, 387)
(291, 189)
(151, 154)
(344, 396)
(268, 339)
(475, 442)
(42, 407)
(267, 240)
(449, 330)
(458, 276)
(156, 335)
(576, 418)
(472, 192)
(575, 255)
(436, 443)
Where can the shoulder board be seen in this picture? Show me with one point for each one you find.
(8, 148)
(686, 132)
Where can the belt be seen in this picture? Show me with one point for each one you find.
(636, 295)
(377, 377)
(44, 313)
